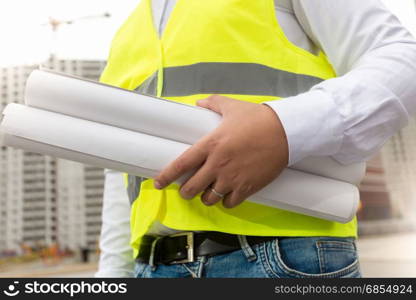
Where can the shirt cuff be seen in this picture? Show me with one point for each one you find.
(312, 124)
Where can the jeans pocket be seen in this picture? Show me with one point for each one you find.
(335, 256)
(311, 257)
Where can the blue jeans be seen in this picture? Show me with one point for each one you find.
(294, 257)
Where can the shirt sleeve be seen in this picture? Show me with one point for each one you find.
(350, 117)
(116, 258)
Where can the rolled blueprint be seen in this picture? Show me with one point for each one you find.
(154, 116)
(141, 154)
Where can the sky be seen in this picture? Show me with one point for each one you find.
(23, 38)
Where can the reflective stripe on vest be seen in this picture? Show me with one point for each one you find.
(133, 187)
(229, 78)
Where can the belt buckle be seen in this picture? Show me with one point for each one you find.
(189, 246)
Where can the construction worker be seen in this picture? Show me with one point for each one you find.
(291, 79)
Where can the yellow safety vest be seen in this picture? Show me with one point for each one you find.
(229, 47)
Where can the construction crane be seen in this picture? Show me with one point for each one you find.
(55, 25)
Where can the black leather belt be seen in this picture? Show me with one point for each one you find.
(185, 246)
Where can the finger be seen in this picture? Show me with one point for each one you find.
(209, 198)
(198, 182)
(205, 195)
(215, 103)
(191, 159)
(232, 199)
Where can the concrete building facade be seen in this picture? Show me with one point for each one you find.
(399, 160)
(44, 200)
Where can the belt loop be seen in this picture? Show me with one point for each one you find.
(245, 246)
(202, 262)
(152, 252)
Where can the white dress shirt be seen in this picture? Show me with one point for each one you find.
(116, 259)
(349, 117)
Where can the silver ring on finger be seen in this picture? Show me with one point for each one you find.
(218, 194)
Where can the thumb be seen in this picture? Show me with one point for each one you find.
(215, 103)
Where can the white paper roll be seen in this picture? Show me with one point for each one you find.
(154, 116)
(144, 155)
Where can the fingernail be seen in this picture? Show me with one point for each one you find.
(207, 203)
(158, 185)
